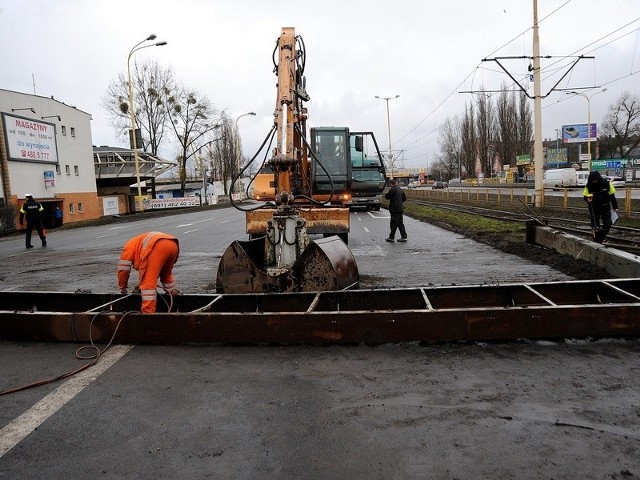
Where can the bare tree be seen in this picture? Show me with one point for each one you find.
(621, 126)
(468, 136)
(484, 129)
(506, 121)
(151, 85)
(192, 122)
(450, 141)
(524, 126)
(223, 152)
(444, 168)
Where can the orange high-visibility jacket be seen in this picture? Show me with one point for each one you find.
(136, 252)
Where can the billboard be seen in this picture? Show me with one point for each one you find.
(30, 140)
(577, 133)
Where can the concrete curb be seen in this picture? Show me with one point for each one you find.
(616, 262)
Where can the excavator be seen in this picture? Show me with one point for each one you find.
(311, 181)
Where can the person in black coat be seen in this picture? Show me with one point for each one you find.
(599, 194)
(396, 197)
(32, 210)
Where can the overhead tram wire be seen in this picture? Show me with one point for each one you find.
(596, 48)
(415, 143)
(410, 145)
(576, 52)
(546, 68)
(529, 28)
(565, 98)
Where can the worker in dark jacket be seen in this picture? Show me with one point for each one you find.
(32, 210)
(396, 197)
(599, 194)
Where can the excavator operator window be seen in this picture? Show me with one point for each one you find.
(332, 154)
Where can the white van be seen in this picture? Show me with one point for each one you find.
(560, 178)
(582, 177)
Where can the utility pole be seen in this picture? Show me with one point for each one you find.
(538, 156)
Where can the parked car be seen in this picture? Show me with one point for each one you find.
(414, 184)
(437, 185)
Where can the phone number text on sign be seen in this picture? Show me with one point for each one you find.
(34, 155)
(181, 202)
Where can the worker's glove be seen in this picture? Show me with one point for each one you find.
(174, 292)
(136, 290)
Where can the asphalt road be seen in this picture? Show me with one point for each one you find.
(86, 258)
(518, 410)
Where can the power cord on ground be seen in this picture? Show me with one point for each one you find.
(94, 357)
(97, 352)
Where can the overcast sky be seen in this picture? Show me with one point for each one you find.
(424, 51)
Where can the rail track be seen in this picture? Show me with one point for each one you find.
(622, 238)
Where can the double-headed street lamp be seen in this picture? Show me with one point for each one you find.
(588, 97)
(237, 148)
(389, 129)
(134, 140)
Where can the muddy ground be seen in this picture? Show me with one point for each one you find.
(579, 269)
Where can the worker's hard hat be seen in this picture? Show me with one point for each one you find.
(27, 195)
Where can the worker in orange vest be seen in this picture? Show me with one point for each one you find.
(153, 254)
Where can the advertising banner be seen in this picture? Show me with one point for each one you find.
(30, 140)
(577, 133)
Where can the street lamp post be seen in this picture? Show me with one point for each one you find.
(237, 148)
(588, 97)
(557, 138)
(134, 140)
(389, 131)
(202, 166)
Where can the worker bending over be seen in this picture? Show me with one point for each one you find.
(153, 254)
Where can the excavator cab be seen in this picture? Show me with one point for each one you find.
(331, 164)
(368, 175)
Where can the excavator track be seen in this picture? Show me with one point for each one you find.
(590, 308)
